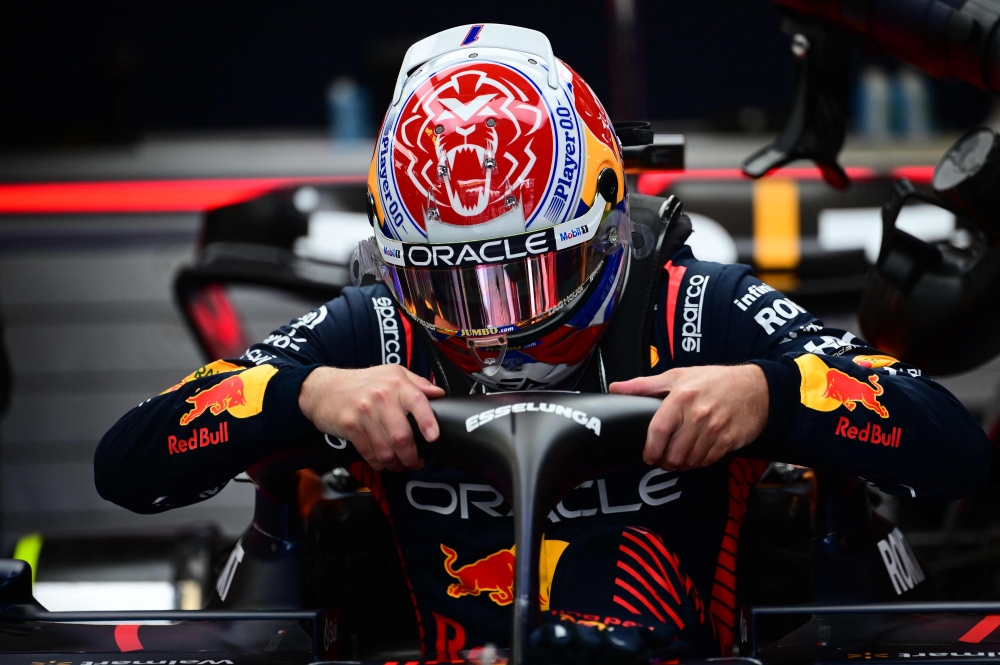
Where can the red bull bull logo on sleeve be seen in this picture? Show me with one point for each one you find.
(216, 399)
(850, 392)
(241, 395)
(826, 389)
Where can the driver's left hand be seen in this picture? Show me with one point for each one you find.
(707, 412)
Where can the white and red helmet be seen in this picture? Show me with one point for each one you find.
(497, 195)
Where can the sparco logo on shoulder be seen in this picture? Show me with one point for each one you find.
(388, 330)
(694, 298)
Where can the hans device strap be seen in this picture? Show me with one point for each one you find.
(625, 344)
(449, 377)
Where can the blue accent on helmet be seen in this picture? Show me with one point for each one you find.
(473, 35)
(606, 281)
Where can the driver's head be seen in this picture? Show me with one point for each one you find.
(497, 195)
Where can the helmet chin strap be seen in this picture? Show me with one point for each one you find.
(489, 366)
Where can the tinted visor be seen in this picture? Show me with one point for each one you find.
(485, 287)
(483, 300)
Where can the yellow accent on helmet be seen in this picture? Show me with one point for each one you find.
(599, 157)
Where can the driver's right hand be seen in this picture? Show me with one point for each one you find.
(369, 408)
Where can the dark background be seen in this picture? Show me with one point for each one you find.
(84, 73)
(80, 73)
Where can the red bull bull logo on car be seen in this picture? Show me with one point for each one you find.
(493, 573)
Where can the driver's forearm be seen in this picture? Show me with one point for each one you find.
(183, 446)
(836, 402)
(897, 429)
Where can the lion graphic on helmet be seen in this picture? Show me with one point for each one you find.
(467, 140)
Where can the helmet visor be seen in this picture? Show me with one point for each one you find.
(486, 287)
(499, 297)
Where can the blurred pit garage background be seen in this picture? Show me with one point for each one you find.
(122, 125)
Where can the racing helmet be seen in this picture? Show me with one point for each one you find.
(498, 201)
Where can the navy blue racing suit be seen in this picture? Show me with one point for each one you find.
(640, 544)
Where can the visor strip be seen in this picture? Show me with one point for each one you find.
(493, 250)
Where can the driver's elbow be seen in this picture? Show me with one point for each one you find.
(965, 466)
(109, 484)
(979, 461)
(117, 485)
